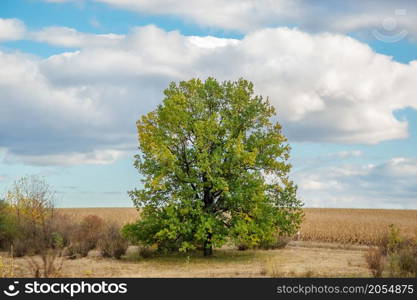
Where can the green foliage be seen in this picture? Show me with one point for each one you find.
(8, 225)
(391, 240)
(214, 168)
(402, 254)
(277, 242)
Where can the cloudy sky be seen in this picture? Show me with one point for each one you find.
(75, 75)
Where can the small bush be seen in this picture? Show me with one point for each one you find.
(400, 252)
(111, 243)
(376, 261)
(86, 236)
(390, 241)
(8, 225)
(403, 262)
(408, 261)
(277, 242)
(146, 252)
(242, 246)
(20, 248)
(64, 229)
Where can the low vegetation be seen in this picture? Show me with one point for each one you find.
(75, 234)
(31, 227)
(395, 255)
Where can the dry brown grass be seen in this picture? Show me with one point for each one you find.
(118, 215)
(288, 262)
(355, 226)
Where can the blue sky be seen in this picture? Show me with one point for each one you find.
(75, 75)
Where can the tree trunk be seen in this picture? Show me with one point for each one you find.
(208, 247)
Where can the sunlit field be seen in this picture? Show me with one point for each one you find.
(331, 243)
(346, 226)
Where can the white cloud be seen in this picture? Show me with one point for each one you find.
(326, 87)
(39, 119)
(346, 154)
(340, 16)
(69, 37)
(11, 30)
(314, 80)
(242, 15)
(391, 184)
(95, 157)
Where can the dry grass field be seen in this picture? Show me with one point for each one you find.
(289, 262)
(345, 226)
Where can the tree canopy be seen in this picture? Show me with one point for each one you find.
(215, 169)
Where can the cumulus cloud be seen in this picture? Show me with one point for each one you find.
(11, 29)
(391, 184)
(383, 17)
(242, 15)
(39, 120)
(314, 80)
(326, 87)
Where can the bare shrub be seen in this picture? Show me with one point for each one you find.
(32, 205)
(64, 228)
(86, 235)
(50, 264)
(400, 252)
(111, 243)
(376, 261)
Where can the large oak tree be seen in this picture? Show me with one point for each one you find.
(215, 169)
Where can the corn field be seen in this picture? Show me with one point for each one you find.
(346, 226)
(355, 226)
